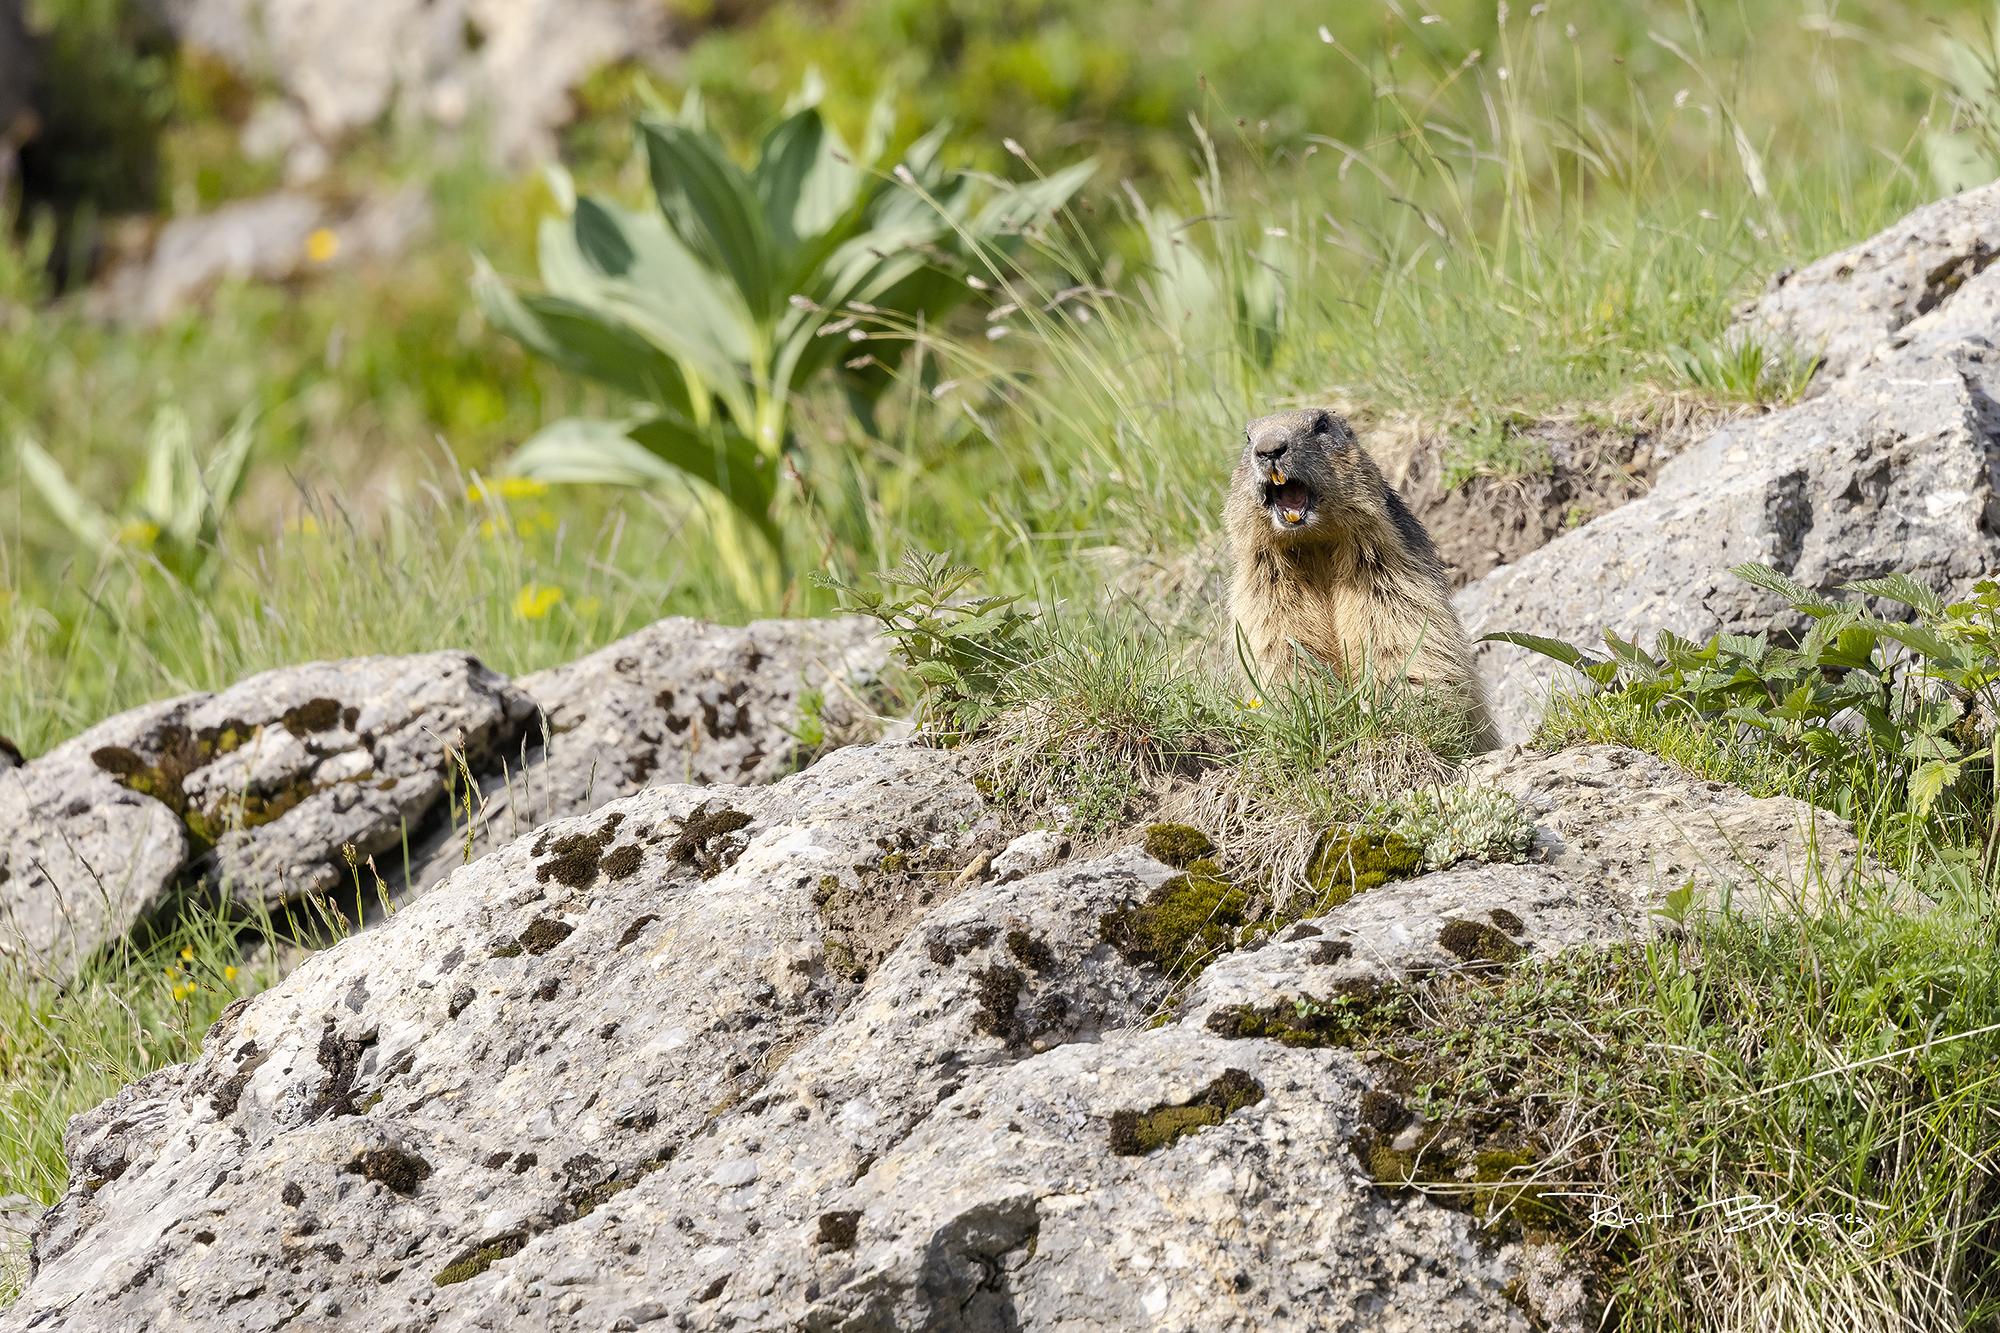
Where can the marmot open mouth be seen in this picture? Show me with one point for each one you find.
(1291, 503)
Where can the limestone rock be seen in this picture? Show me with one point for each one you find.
(679, 701)
(82, 858)
(1037, 849)
(616, 1073)
(498, 1059)
(505, 65)
(1845, 307)
(998, 973)
(1890, 467)
(262, 789)
(1617, 832)
(337, 755)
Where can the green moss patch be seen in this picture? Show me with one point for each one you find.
(1136, 1133)
(837, 1229)
(1477, 942)
(312, 716)
(545, 933)
(695, 843)
(1343, 1018)
(395, 1169)
(474, 1262)
(574, 859)
(1177, 845)
(1187, 921)
(1351, 861)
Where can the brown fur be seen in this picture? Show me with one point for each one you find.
(1355, 580)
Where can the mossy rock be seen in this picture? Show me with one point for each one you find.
(1351, 861)
(471, 1265)
(1186, 922)
(1136, 1133)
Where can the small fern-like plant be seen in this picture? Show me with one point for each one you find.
(958, 648)
(1876, 706)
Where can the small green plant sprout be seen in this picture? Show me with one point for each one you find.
(1674, 908)
(175, 513)
(957, 648)
(713, 309)
(1903, 707)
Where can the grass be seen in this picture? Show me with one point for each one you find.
(1559, 221)
(65, 1050)
(1775, 1124)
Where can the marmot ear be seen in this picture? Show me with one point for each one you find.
(1322, 424)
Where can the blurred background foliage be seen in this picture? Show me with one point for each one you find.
(1461, 211)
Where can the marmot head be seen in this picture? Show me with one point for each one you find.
(1305, 474)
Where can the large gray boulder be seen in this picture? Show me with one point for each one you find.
(1890, 467)
(1847, 307)
(679, 701)
(506, 65)
(779, 1057)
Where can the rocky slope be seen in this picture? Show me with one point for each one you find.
(788, 1056)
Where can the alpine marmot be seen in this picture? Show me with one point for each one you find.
(1328, 559)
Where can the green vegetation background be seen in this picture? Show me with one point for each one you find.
(1465, 213)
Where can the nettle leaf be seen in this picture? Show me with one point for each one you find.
(1901, 589)
(1929, 782)
(1750, 648)
(1920, 639)
(1770, 580)
(936, 673)
(1555, 649)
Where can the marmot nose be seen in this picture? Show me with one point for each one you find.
(1270, 453)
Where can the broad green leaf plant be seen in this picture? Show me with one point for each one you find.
(1904, 707)
(175, 513)
(714, 308)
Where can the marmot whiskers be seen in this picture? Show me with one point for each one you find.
(1328, 558)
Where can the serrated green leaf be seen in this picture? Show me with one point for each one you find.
(1770, 580)
(1901, 589)
(1555, 649)
(1929, 782)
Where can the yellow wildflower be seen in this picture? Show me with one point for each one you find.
(492, 529)
(522, 488)
(229, 974)
(322, 245)
(139, 533)
(187, 954)
(1253, 702)
(535, 601)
